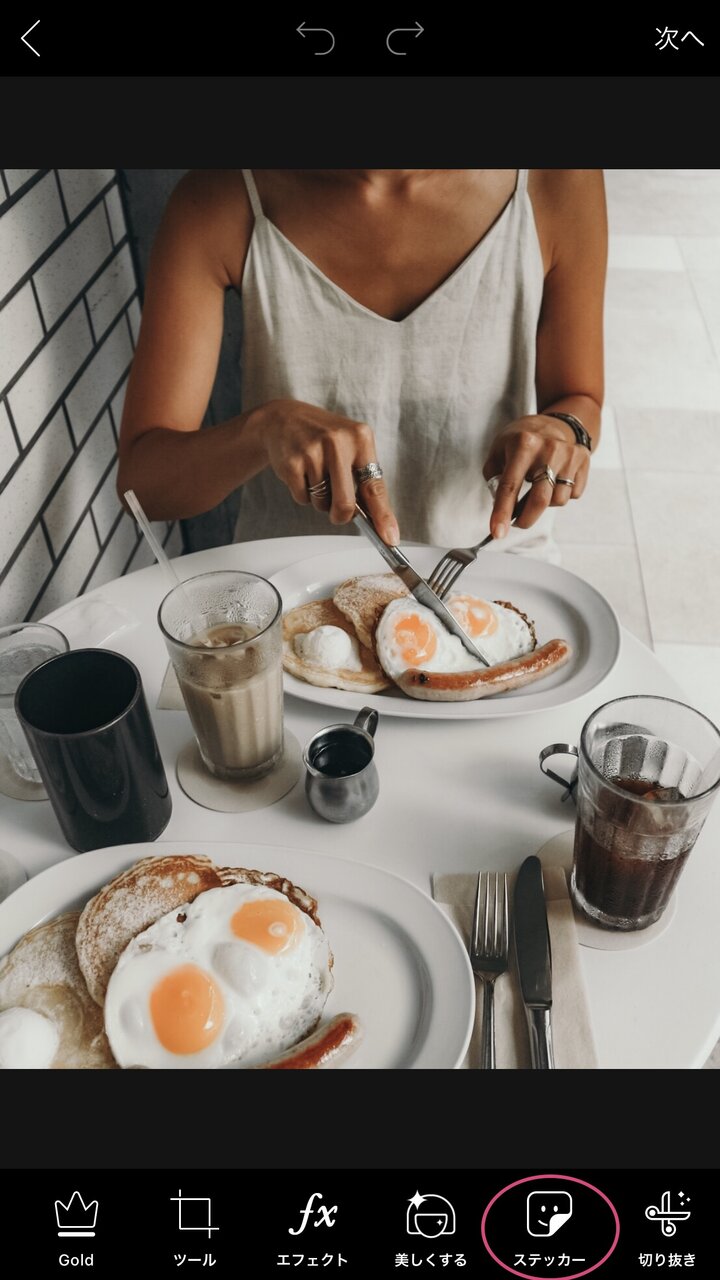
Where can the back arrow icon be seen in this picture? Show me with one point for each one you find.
(319, 53)
(27, 33)
(400, 53)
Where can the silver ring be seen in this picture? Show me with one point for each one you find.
(564, 480)
(545, 473)
(320, 490)
(371, 471)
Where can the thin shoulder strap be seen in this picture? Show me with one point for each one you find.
(522, 179)
(252, 192)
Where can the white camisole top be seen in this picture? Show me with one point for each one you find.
(435, 386)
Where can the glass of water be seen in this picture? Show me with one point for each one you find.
(23, 646)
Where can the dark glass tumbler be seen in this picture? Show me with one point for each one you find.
(87, 722)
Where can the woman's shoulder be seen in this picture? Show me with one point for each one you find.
(569, 208)
(211, 207)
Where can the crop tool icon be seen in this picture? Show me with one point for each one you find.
(76, 1218)
(194, 1213)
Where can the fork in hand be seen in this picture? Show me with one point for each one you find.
(448, 569)
(489, 951)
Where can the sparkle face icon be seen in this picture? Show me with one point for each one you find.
(430, 1216)
(547, 1211)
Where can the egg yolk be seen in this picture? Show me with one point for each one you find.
(271, 924)
(187, 1010)
(476, 616)
(415, 639)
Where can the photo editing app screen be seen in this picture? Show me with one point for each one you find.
(359, 641)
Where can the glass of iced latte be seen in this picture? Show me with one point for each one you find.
(223, 631)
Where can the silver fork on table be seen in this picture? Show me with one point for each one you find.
(489, 951)
(448, 569)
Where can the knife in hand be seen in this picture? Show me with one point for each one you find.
(534, 961)
(424, 594)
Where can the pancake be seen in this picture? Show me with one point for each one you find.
(323, 613)
(362, 601)
(42, 973)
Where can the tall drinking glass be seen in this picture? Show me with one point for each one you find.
(648, 772)
(23, 645)
(223, 631)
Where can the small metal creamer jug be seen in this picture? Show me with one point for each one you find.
(341, 778)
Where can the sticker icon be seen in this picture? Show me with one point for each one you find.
(194, 1213)
(666, 1215)
(430, 1216)
(548, 1211)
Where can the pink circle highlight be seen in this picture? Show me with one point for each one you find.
(560, 1177)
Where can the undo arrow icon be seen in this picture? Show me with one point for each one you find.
(319, 53)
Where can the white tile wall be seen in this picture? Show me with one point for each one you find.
(80, 186)
(116, 554)
(61, 371)
(21, 585)
(28, 229)
(44, 382)
(109, 362)
(111, 291)
(72, 570)
(134, 318)
(32, 482)
(8, 447)
(106, 505)
(79, 484)
(16, 178)
(66, 272)
(116, 405)
(116, 217)
(20, 332)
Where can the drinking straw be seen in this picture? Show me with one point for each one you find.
(153, 543)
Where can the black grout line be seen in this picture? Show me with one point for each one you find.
(53, 557)
(61, 193)
(23, 190)
(14, 430)
(5, 185)
(57, 242)
(89, 320)
(103, 548)
(69, 425)
(94, 525)
(107, 219)
(129, 326)
(39, 311)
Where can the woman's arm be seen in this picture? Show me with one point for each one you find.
(175, 469)
(570, 214)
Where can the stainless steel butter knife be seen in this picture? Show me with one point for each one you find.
(400, 565)
(532, 948)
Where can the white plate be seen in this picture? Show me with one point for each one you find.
(400, 964)
(560, 604)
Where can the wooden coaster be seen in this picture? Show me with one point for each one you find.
(238, 797)
(559, 852)
(11, 784)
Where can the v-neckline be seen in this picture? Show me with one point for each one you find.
(368, 311)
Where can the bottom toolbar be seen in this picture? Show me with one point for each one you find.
(547, 1224)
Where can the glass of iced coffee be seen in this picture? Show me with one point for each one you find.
(223, 631)
(648, 772)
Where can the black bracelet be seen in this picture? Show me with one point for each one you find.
(577, 427)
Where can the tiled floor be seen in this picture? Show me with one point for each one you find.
(652, 501)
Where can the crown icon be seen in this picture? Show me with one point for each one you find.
(76, 1218)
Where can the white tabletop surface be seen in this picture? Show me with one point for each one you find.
(454, 796)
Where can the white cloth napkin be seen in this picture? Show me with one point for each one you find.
(91, 621)
(571, 1025)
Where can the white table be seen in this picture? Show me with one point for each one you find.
(454, 796)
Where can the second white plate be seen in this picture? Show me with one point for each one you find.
(560, 604)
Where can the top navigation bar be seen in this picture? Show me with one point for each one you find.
(316, 41)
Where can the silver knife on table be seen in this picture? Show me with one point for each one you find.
(400, 565)
(534, 960)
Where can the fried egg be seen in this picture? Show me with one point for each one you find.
(410, 636)
(502, 630)
(231, 979)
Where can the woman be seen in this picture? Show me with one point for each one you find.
(407, 333)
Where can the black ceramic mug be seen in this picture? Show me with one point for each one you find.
(85, 716)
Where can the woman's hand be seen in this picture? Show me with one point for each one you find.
(521, 449)
(305, 445)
